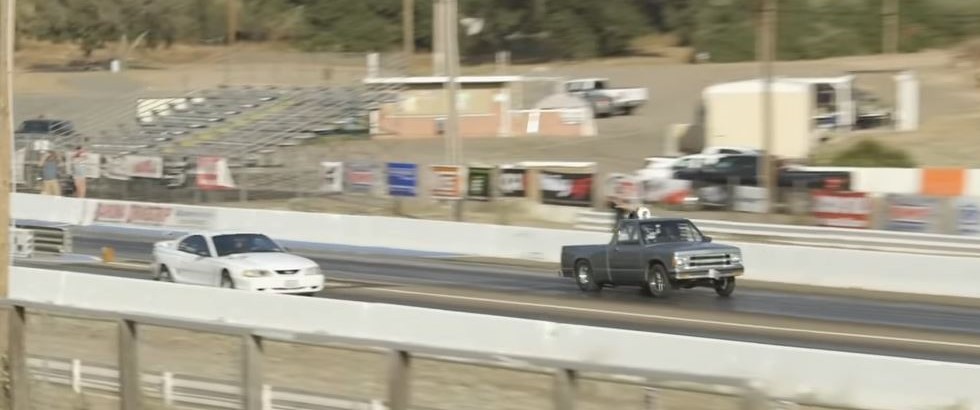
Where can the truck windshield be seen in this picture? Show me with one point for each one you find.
(244, 243)
(669, 232)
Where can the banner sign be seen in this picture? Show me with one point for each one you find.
(559, 188)
(751, 199)
(133, 166)
(478, 183)
(213, 174)
(911, 213)
(623, 187)
(154, 215)
(968, 216)
(361, 177)
(402, 179)
(665, 190)
(842, 209)
(332, 177)
(513, 182)
(447, 182)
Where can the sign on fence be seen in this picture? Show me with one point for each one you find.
(513, 182)
(560, 188)
(402, 178)
(623, 187)
(332, 177)
(666, 190)
(478, 183)
(153, 215)
(361, 177)
(842, 209)
(968, 216)
(751, 199)
(213, 173)
(447, 182)
(911, 213)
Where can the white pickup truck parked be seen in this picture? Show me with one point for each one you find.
(624, 100)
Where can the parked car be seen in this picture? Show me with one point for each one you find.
(624, 100)
(659, 254)
(236, 260)
(743, 169)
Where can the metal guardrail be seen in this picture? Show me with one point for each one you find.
(250, 392)
(22, 242)
(51, 238)
(815, 236)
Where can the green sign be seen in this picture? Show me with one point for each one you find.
(478, 184)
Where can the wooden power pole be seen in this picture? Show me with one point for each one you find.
(768, 33)
(451, 60)
(7, 23)
(889, 26)
(232, 14)
(408, 30)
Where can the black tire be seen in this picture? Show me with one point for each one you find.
(226, 281)
(163, 275)
(585, 277)
(658, 282)
(725, 286)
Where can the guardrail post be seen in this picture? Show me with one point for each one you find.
(20, 398)
(252, 375)
(399, 380)
(129, 369)
(565, 388)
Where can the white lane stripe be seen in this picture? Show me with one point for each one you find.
(681, 319)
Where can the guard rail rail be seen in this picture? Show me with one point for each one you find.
(48, 237)
(921, 243)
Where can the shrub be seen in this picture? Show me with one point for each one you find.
(871, 153)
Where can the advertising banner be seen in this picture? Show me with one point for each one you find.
(138, 166)
(213, 173)
(332, 177)
(911, 213)
(559, 188)
(513, 182)
(968, 216)
(478, 183)
(402, 179)
(447, 182)
(153, 215)
(361, 177)
(751, 199)
(842, 209)
(665, 190)
(623, 187)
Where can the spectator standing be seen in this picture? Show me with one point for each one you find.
(79, 170)
(50, 164)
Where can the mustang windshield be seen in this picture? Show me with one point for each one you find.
(670, 232)
(244, 243)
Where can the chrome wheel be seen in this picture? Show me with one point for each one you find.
(583, 276)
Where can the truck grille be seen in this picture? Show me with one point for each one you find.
(710, 261)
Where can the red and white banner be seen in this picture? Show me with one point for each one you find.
(844, 209)
(213, 173)
(624, 188)
(448, 181)
(153, 215)
(133, 166)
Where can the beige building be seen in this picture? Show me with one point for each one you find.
(488, 106)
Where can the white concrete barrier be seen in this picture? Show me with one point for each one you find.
(858, 380)
(841, 268)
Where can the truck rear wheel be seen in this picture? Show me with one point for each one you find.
(725, 286)
(658, 283)
(585, 278)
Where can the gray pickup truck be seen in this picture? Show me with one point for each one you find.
(659, 254)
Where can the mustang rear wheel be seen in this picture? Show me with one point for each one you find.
(584, 277)
(725, 286)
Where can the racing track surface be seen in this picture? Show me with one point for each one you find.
(854, 323)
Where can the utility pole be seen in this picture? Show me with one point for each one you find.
(451, 49)
(408, 31)
(768, 48)
(889, 26)
(439, 37)
(8, 15)
(231, 8)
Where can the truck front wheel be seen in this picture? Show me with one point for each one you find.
(658, 283)
(725, 286)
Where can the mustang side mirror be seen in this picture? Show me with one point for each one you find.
(707, 239)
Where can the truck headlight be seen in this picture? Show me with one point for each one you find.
(736, 257)
(254, 273)
(679, 262)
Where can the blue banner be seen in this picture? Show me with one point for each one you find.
(912, 213)
(402, 179)
(968, 216)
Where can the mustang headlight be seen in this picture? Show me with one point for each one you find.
(313, 271)
(255, 273)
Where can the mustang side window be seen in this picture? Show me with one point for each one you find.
(195, 245)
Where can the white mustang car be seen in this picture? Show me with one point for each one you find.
(236, 260)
